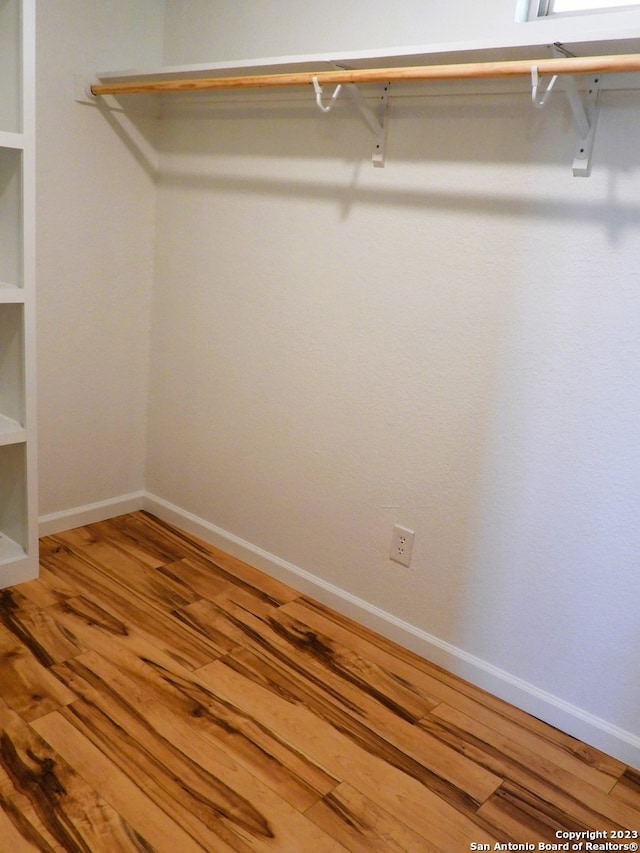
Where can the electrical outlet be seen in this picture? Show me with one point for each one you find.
(401, 545)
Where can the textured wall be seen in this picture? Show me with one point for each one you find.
(95, 209)
(449, 343)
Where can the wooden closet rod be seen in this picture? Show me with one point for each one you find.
(464, 71)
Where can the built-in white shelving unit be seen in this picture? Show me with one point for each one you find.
(18, 514)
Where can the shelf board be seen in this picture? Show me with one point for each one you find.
(10, 551)
(8, 139)
(525, 47)
(531, 45)
(10, 293)
(11, 432)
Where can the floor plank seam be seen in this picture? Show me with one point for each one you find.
(187, 701)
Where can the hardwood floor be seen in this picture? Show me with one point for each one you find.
(159, 695)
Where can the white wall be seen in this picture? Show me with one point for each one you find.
(449, 343)
(205, 31)
(95, 224)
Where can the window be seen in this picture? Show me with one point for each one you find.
(557, 7)
(547, 8)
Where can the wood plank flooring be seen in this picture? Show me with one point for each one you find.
(159, 695)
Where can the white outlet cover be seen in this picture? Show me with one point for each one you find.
(401, 545)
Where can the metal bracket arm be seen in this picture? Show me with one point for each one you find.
(586, 119)
(584, 115)
(375, 122)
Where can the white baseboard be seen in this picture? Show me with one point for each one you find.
(552, 709)
(56, 522)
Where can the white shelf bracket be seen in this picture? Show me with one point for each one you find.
(376, 122)
(585, 114)
(375, 119)
(586, 117)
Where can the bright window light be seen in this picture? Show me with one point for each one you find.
(560, 6)
(530, 10)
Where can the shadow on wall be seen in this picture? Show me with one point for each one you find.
(617, 215)
(284, 151)
(480, 129)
